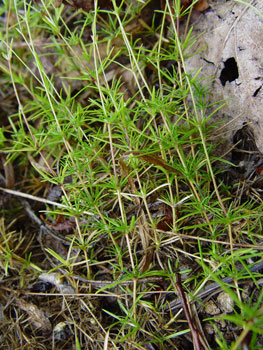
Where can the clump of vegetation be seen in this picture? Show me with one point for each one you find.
(114, 203)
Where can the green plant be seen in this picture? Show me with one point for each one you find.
(110, 116)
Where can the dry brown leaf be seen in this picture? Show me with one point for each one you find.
(167, 220)
(87, 5)
(155, 160)
(201, 5)
(36, 316)
(259, 170)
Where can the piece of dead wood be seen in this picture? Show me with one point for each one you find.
(215, 288)
(56, 279)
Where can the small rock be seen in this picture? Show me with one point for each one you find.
(209, 329)
(226, 302)
(211, 308)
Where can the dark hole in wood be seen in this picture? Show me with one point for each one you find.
(230, 72)
(257, 91)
